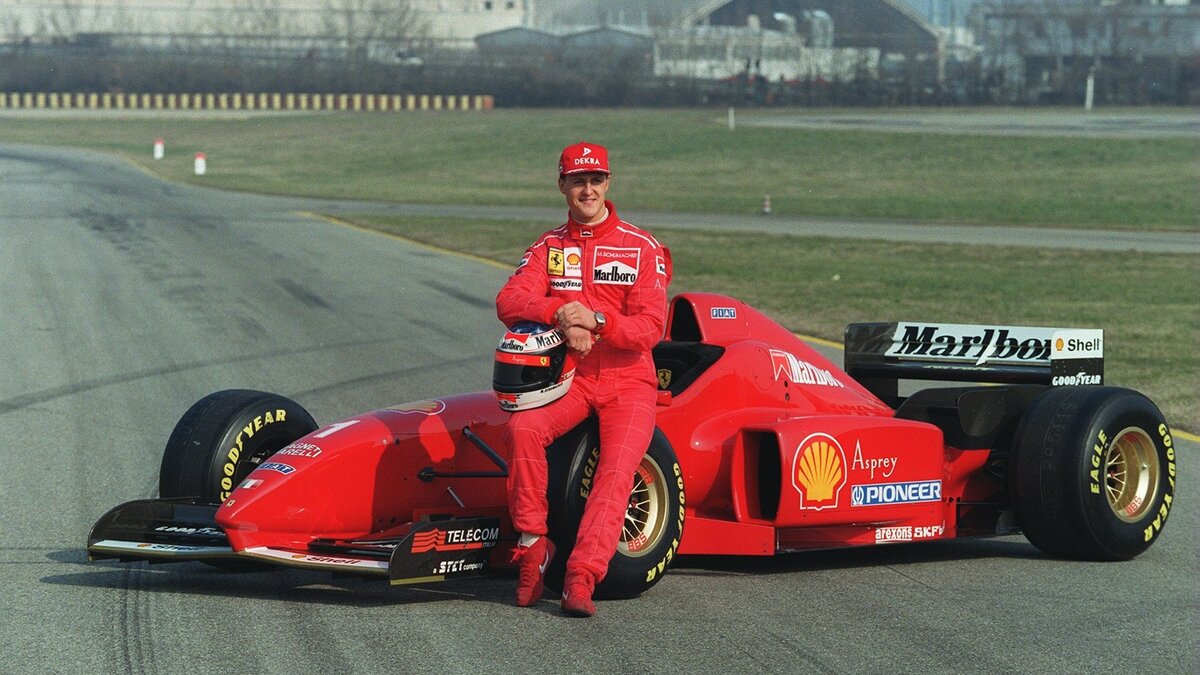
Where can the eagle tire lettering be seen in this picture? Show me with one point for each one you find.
(1092, 473)
(637, 564)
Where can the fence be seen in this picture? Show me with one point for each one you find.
(244, 101)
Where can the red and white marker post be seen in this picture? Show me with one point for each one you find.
(201, 164)
(158, 148)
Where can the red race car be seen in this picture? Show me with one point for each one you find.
(763, 447)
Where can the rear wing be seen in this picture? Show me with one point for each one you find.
(878, 355)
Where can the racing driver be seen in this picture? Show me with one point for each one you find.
(603, 283)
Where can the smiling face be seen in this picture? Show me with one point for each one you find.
(585, 195)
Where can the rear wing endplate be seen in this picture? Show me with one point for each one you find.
(878, 355)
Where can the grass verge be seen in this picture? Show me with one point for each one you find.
(1146, 303)
(672, 160)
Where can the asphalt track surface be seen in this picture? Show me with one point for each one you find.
(124, 299)
(1097, 123)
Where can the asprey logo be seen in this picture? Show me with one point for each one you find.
(615, 266)
(455, 540)
(818, 471)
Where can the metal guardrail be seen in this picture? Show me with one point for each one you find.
(243, 101)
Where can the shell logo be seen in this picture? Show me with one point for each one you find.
(818, 471)
(573, 258)
(1058, 345)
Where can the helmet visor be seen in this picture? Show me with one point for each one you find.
(519, 373)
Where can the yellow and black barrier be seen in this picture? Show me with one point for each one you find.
(253, 101)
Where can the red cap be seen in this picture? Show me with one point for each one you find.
(583, 158)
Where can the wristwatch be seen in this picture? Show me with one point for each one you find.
(600, 321)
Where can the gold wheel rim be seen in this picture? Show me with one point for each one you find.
(1131, 472)
(645, 518)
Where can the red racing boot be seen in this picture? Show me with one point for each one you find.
(531, 575)
(577, 595)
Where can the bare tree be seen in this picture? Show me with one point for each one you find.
(65, 20)
(372, 28)
(12, 28)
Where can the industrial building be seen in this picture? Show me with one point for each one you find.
(1134, 51)
(1010, 51)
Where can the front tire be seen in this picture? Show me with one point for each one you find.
(653, 521)
(1093, 473)
(223, 437)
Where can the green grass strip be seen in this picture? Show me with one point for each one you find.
(671, 160)
(1146, 303)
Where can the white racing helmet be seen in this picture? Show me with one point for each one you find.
(533, 366)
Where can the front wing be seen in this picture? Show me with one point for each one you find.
(182, 530)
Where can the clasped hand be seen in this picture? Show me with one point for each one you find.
(577, 322)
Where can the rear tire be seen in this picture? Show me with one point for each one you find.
(653, 522)
(223, 437)
(1092, 475)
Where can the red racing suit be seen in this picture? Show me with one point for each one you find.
(620, 270)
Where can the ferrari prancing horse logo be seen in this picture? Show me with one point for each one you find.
(664, 378)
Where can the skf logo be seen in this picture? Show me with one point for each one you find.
(818, 471)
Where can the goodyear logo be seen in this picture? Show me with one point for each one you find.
(882, 494)
(819, 471)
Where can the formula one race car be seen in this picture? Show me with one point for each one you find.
(762, 447)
